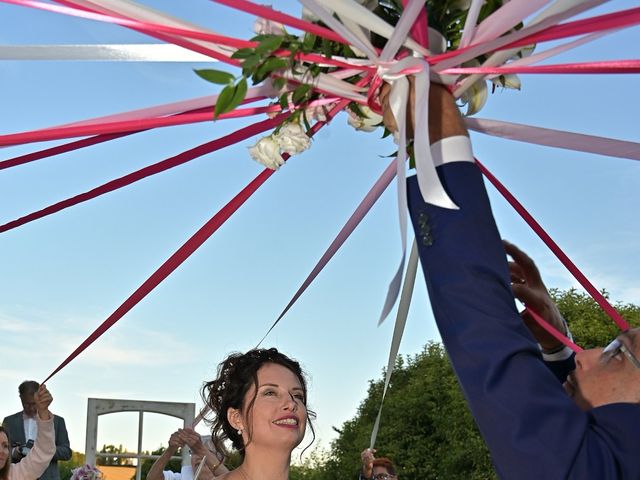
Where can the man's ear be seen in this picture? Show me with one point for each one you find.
(234, 416)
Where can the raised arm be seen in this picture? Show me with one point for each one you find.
(39, 457)
(155, 472)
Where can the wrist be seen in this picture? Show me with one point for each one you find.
(44, 414)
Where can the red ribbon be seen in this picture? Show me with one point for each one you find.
(189, 247)
(420, 28)
(610, 66)
(553, 246)
(126, 126)
(166, 164)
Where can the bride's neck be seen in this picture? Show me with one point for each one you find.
(266, 464)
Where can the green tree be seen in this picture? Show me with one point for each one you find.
(591, 327)
(174, 464)
(113, 461)
(76, 460)
(426, 427)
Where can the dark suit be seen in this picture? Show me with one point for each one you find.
(14, 424)
(533, 429)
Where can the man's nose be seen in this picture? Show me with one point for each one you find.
(587, 359)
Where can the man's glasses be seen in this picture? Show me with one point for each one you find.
(614, 349)
(383, 476)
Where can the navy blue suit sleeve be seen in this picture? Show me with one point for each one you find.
(533, 429)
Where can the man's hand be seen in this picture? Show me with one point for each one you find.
(367, 456)
(528, 287)
(444, 117)
(43, 399)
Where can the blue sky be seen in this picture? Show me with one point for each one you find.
(62, 276)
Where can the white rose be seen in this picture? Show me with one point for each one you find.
(267, 152)
(309, 16)
(369, 123)
(292, 139)
(319, 112)
(263, 26)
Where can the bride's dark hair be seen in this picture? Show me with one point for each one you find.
(236, 374)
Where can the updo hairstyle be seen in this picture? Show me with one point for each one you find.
(235, 376)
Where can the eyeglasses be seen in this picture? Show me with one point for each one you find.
(614, 349)
(383, 476)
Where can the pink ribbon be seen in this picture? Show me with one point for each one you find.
(162, 166)
(152, 29)
(556, 138)
(420, 29)
(126, 126)
(277, 16)
(186, 250)
(553, 331)
(611, 66)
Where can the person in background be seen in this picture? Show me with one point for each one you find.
(22, 428)
(376, 468)
(212, 468)
(36, 461)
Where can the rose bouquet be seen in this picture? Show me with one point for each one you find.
(313, 71)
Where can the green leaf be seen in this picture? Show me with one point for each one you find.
(300, 92)
(230, 97)
(269, 44)
(269, 65)
(307, 125)
(243, 53)
(215, 76)
(224, 100)
(239, 94)
(278, 83)
(250, 63)
(284, 100)
(308, 42)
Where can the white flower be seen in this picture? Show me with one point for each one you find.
(267, 152)
(368, 4)
(318, 113)
(369, 123)
(263, 26)
(309, 16)
(292, 139)
(510, 80)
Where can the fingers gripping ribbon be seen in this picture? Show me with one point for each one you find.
(395, 74)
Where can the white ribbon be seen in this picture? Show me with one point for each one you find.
(432, 190)
(398, 331)
(157, 52)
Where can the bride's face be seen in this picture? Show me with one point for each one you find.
(278, 416)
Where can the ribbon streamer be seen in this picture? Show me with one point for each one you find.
(553, 246)
(609, 67)
(553, 331)
(160, 52)
(145, 172)
(185, 251)
(354, 220)
(398, 331)
(556, 138)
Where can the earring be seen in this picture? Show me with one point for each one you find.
(240, 431)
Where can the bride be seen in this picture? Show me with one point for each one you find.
(259, 400)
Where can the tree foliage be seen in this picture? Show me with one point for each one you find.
(427, 428)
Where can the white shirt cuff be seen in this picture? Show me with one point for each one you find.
(452, 149)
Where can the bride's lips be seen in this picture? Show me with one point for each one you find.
(290, 421)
